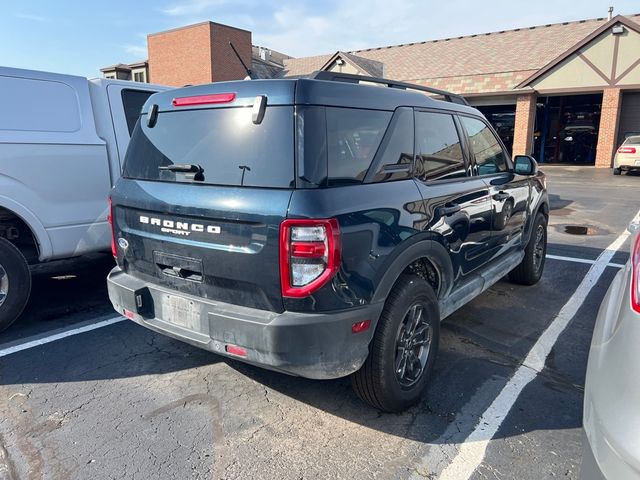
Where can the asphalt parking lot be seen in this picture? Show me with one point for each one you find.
(122, 402)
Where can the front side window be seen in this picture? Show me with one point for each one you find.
(438, 149)
(488, 152)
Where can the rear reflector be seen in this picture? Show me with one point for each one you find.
(635, 276)
(204, 99)
(360, 326)
(236, 350)
(627, 150)
(129, 314)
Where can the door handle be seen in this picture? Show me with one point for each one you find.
(500, 196)
(449, 209)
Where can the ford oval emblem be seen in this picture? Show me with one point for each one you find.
(123, 243)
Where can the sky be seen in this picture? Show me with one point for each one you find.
(81, 36)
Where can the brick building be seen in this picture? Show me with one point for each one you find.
(566, 92)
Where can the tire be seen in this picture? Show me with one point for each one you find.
(15, 283)
(617, 171)
(376, 383)
(530, 269)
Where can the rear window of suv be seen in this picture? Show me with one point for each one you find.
(225, 142)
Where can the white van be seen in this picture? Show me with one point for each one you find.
(62, 144)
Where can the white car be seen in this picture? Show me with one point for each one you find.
(628, 155)
(62, 143)
(612, 390)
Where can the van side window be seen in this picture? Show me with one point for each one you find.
(132, 102)
(396, 149)
(489, 155)
(353, 137)
(438, 149)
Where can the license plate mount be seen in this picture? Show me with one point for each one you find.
(181, 311)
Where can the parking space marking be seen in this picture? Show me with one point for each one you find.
(581, 260)
(60, 334)
(472, 451)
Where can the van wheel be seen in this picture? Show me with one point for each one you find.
(617, 171)
(403, 348)
(530, 269)
(15, 283)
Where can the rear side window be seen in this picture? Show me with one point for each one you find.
(438, 149)
(225, 142)
(489, 155)
(393, 161)
(132, 102)
(353, 137)
(38, 106)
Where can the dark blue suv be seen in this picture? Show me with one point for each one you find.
(320, 227)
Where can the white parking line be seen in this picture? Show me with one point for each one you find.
(581, 260)
(472, 450)
(60, 334)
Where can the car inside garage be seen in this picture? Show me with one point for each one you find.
(566, 129)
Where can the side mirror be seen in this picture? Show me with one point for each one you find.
(525, 165)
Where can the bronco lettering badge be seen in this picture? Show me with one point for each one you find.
(177, 227)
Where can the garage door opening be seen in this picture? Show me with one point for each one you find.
(566, 129)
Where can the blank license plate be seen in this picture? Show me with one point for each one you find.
(181, 311)
(637, 163)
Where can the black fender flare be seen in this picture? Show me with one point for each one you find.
(543, 206)
(415, 248)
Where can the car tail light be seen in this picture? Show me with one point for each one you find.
(309, 255)
(627, 150)
(203, 99)
(114, 249)
(635, 276)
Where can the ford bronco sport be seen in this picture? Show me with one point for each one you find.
(321, 227)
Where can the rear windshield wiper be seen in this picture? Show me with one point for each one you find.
(194, 172)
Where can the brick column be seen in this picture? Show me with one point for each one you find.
(523, 129)
(608, 131)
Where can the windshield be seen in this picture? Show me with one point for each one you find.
(224, 142)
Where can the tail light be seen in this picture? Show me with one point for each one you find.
(627, 150)
(635, 276)
(309, 255)
(114, 250)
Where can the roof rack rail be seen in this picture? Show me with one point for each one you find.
(350, 78)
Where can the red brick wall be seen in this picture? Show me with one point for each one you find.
(198, 54)
(181, 56)
(524, 125)
(225, 64)
(608, 131)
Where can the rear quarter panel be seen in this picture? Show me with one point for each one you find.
(374, 219)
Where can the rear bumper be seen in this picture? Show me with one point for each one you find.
(630, 163)
(311, 345)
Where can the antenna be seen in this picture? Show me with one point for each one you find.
(250, 74)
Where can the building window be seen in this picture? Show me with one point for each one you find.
(139, 77)
(110, 76)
